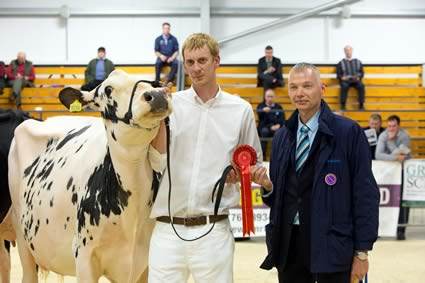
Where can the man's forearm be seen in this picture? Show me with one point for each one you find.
(158, 54)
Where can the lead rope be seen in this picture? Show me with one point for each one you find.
(220, 184)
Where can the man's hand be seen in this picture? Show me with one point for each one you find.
(163, 58)
(271, 69)
(401, 157)
(169, 60)
(18, 75)
(266, 109)
(259, 176)
(359, 269)
(274, 128)
(344, 78)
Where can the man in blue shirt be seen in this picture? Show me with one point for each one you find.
(97, 70)
(167, 50)
(323, 198)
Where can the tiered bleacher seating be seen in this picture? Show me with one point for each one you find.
(389, 90)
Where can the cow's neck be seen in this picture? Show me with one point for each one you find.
(128, 148)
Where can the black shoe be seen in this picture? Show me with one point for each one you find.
(342, 107)
(401, 236)
(361, 107)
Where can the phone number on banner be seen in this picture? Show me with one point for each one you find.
(261, 219)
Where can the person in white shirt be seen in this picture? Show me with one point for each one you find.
(207, 124)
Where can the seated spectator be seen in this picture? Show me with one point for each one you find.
(20, 74)
(167, 50)
(270, 118)
(2, 77)
(375, 124)
(269, 70)
(350, 73)
(97, 70)
(393, 144)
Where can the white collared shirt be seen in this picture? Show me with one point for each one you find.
(203, 137)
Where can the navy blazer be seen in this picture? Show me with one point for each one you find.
(344, 216)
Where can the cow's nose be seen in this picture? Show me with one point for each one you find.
(157, 100)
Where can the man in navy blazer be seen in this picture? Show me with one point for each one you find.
(269, 70)
(323, 198)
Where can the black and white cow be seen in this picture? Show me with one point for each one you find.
(81, 186)
(9, 120)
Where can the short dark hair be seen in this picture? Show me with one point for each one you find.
(394, 118)
(101, 49)
(166, 24)
(269, 47)
(375, 116)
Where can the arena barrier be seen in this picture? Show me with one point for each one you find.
(389, 176)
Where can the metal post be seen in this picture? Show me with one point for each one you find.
(205, 15)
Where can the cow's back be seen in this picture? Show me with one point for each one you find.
(49, 161)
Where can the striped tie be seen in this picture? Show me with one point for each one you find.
(303, 148)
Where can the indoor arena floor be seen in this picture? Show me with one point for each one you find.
(390, 262)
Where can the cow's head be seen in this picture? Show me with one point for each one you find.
(123, 99)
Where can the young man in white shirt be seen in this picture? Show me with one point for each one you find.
(207, 124)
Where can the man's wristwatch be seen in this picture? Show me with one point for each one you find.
(362, 255)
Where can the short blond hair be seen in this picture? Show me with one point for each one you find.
(198, 41)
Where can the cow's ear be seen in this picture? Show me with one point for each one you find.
(68, 95)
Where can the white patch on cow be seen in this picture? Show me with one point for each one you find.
(80, 198)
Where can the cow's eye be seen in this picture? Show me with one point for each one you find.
(108, 90)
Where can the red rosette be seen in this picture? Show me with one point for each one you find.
(244, 157)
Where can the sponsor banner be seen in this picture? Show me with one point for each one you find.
(414, 183)
(387, 175)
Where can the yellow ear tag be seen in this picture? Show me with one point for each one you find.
(76, 106)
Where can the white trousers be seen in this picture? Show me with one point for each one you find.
(208, 260)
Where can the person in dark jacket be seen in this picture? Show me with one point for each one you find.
(270, 118)
(349, 72)
(375, 122)
(97, 70)
(20, 74)
(323, 198)
(166, 51)
(2, 77)
(269, 70)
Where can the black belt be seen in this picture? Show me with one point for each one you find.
(193, 221)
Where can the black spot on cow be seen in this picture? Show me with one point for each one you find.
(67, 219)
(39, 203)
(78, 149)
(49, 187)
(36, 228)
(91, 238)
(51, 202)
(96, 104)
(64, 162)
(84, 241)
(47, 220)
(68, 185)
(70, 135)
(28, 170)
(76, 253)
(105, 195)
(113, 135)
(32, 247)
(110, 112)
(45, 172)
(73, 188)
(60, 159)
(64, 226)
(74, 198)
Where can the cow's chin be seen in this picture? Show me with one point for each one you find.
(150, 120)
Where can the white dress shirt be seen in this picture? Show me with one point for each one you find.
(203, 138)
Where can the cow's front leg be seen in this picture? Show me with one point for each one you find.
(4, 263)
(87, 265)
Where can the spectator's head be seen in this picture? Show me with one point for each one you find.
(268, 52)
(101, 53)
(305, 89)
(201, 58)
(348, 50)
(166, 28)
(269, 96)
(21, 57)
(393, 124)
(375, 122)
